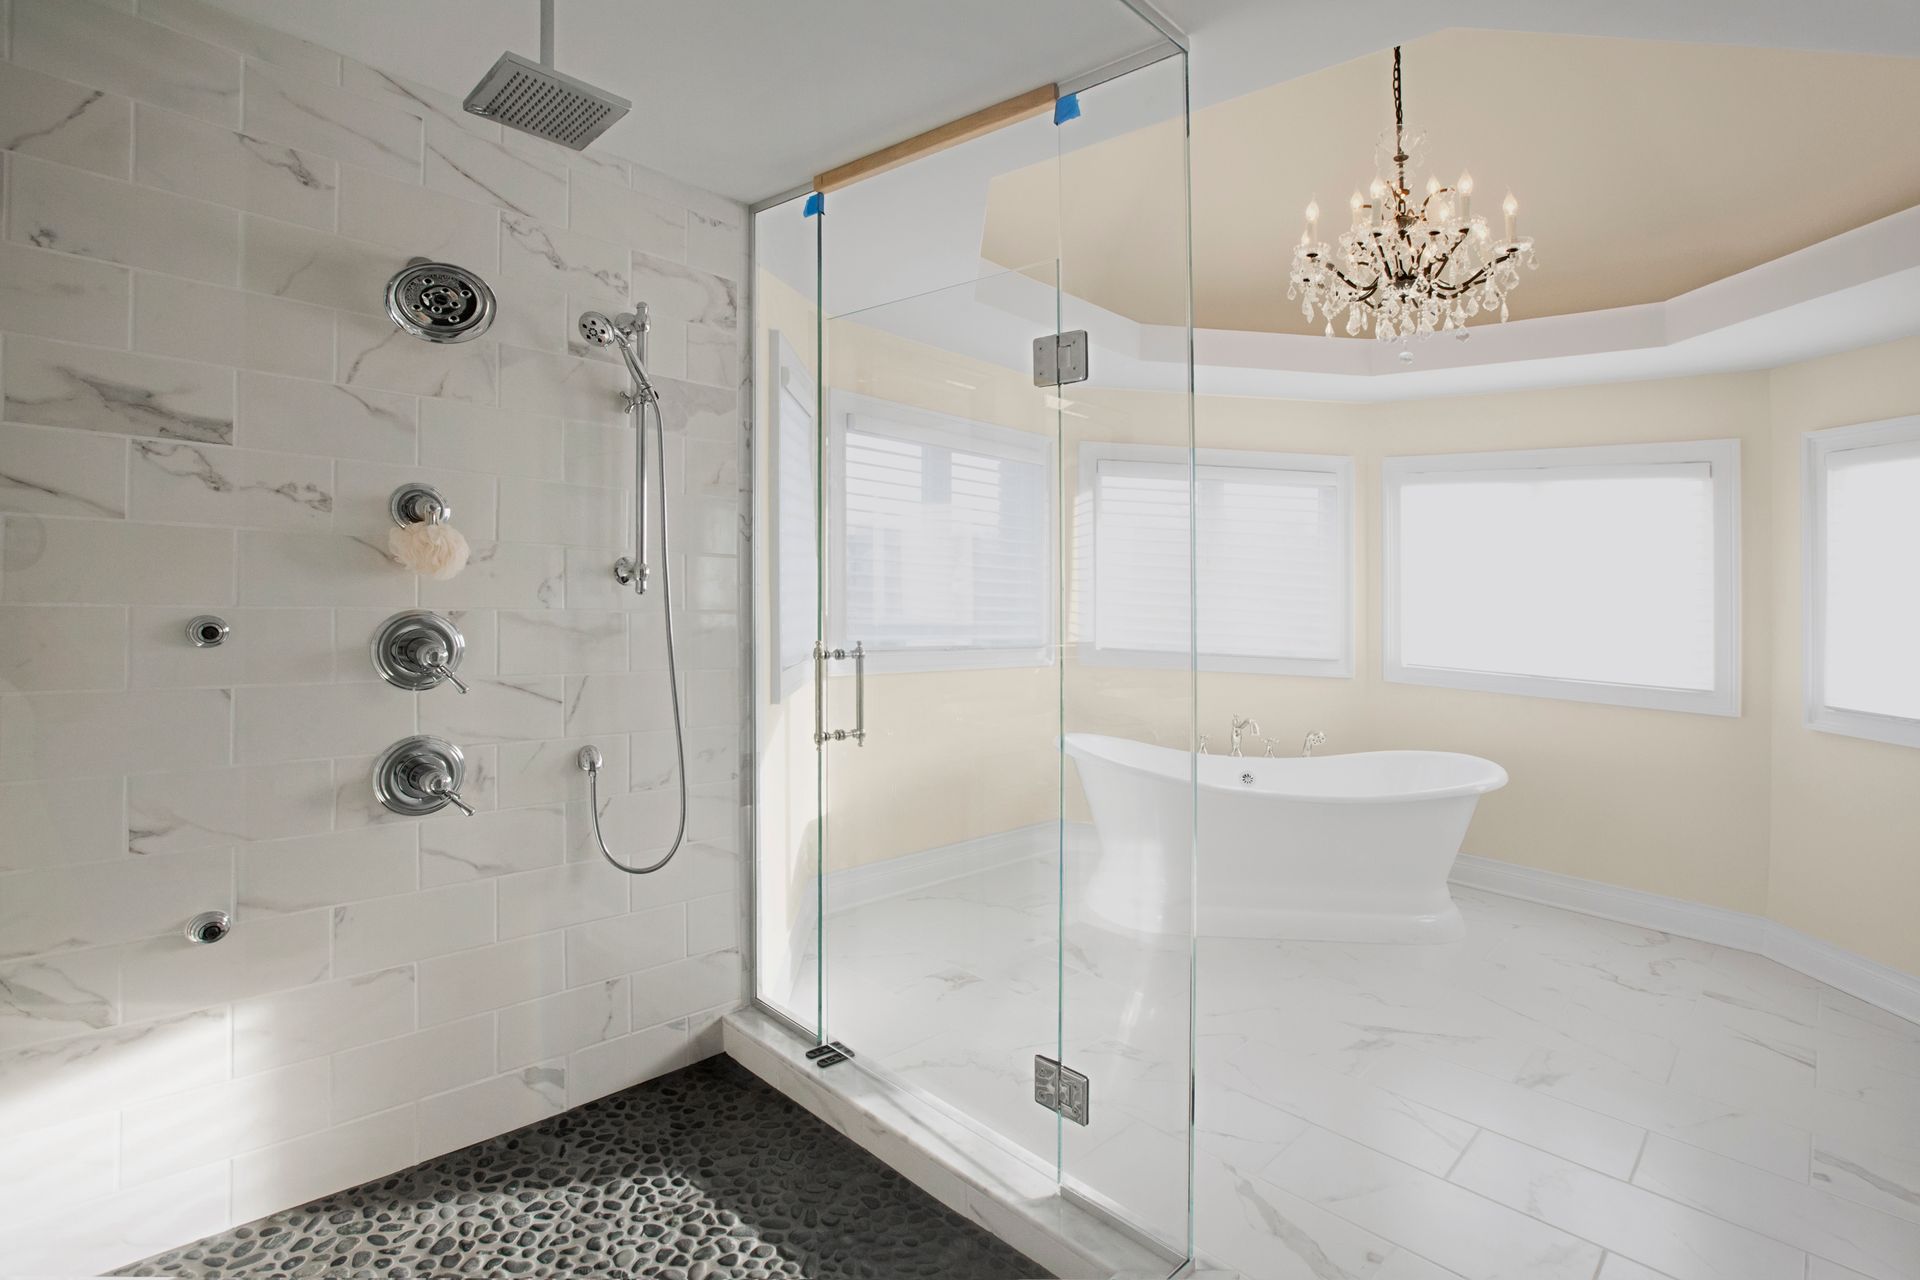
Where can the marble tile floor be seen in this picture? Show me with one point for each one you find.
(1557, 1097)
(706, 1174)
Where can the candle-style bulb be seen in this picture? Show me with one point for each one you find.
(1377, 189)
(1433, 185)
(1465, 188)
(1510, 206)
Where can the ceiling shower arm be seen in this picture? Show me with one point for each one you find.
(546, 33)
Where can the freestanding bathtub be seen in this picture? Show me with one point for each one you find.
(1336, 848)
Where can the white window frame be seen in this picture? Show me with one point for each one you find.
(1722, 457)
(789, 376)
(1816, 449)
(847, 407)
(1317, 466)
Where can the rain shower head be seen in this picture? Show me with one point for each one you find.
(536, 99)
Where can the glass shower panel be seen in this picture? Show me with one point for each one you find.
(1127, 668)
(787, 612)
(941, 856)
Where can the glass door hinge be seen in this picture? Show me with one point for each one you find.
(1060, 358)
(1061, 1089)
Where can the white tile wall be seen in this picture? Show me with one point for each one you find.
(204, 409)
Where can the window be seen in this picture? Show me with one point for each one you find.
(1600, 575)
(795, 555)
(942, 542)
(1862, 543)
(1274, 542)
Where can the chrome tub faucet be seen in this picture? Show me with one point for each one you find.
(1240, 724)
(1313, 739)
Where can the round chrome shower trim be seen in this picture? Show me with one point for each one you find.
(439, 301)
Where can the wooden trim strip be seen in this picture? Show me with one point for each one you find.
(951, 134)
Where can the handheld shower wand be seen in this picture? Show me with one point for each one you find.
(628, 333)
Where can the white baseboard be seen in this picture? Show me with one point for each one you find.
(1864, 979)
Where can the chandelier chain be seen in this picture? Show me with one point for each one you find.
(1399, 114)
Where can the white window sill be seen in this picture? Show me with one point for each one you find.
(1225, 664)
(1896, 730)
(1706, 702)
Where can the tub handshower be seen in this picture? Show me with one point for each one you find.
(628, 334)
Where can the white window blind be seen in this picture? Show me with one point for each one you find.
(1863, 596)
(796, 557)
(1602, 574)
(944, 538)
(1273, 543)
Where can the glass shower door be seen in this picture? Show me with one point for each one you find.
(941, 828)
(944, 900)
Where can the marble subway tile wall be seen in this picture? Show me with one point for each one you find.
(203, 409)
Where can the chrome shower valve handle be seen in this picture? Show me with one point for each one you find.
(421, 775)
(439, 784)
(417, 650)
(431, 657)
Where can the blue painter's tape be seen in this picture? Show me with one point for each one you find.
(816, 204)
(1067, 108)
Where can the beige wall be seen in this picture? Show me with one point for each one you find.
(1669, 802)
(1753, 813)
(1846, 812)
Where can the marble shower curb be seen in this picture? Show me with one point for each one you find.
(963, 1171)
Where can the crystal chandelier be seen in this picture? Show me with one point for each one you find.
(1409, 268)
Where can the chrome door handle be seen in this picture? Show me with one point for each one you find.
(821, 656)
(859, 693)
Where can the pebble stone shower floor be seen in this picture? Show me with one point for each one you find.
(705, 1174)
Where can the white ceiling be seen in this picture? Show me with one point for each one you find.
(745, 97)
(751, 97)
